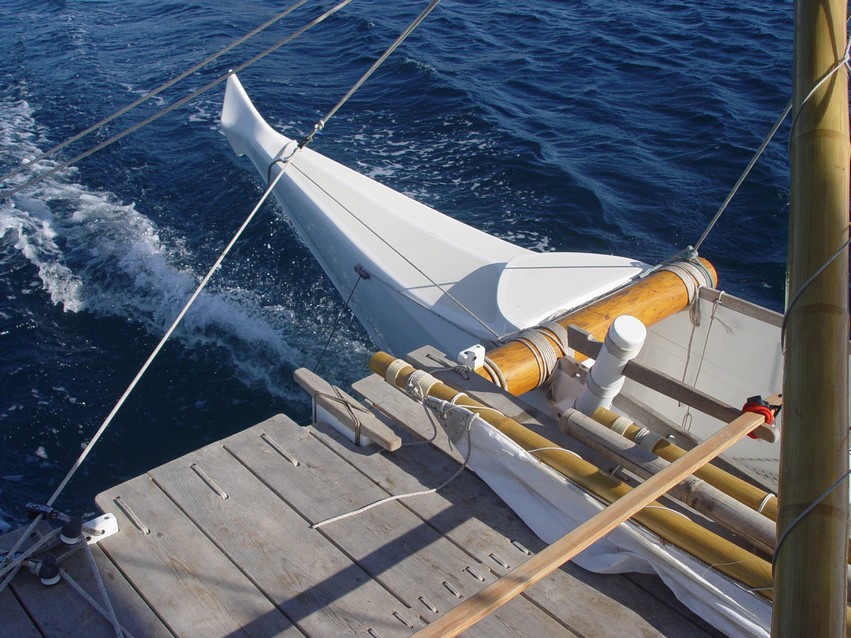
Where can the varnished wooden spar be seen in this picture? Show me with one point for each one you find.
(650, 299)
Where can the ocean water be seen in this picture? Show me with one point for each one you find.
(560, 125)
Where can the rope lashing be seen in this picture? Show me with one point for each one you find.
(495, 373)
(419, 384)
(546, 355)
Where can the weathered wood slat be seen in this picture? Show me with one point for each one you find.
(307, 577)
(59, 610)
(14, 619)
(394, 546)
(195, 589)
(594, 604)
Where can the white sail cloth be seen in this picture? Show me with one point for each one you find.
(552, 506)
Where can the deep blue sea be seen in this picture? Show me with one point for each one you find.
(557, 124)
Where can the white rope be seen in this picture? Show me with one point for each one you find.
(119, 630)
(495, 373)
(765, 502)
(553, 449)
(393, 370)
(397, 497)
(647, 439)
(87, 597)
(13, 561)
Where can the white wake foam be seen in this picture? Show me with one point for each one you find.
(94, 253)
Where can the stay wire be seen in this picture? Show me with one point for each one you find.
(156, 91)
(785, 534)
(321, 123)
(844, 62)
(42, 176)
(336, 324)
(744, 175)
(14, 566)
(168, 334)
(285, 163)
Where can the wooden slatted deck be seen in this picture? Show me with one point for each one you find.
(219, 543)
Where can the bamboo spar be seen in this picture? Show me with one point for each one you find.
(551, 558)
(810, 565)
(751, 496)
(730, 559)
(650, 299)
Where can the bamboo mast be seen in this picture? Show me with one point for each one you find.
(810, 584)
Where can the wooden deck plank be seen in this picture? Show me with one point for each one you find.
(391, 544)
(318, 587)
(195, 589)
(485, 525)
(15, 620)
(60, 611)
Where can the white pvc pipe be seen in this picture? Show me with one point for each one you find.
(623, 342)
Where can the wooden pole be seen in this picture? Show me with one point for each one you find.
(755, 498)
(539, 566)
(810, 584)
(650, 300)
(695, 492)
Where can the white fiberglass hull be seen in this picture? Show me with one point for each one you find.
(432, 280)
